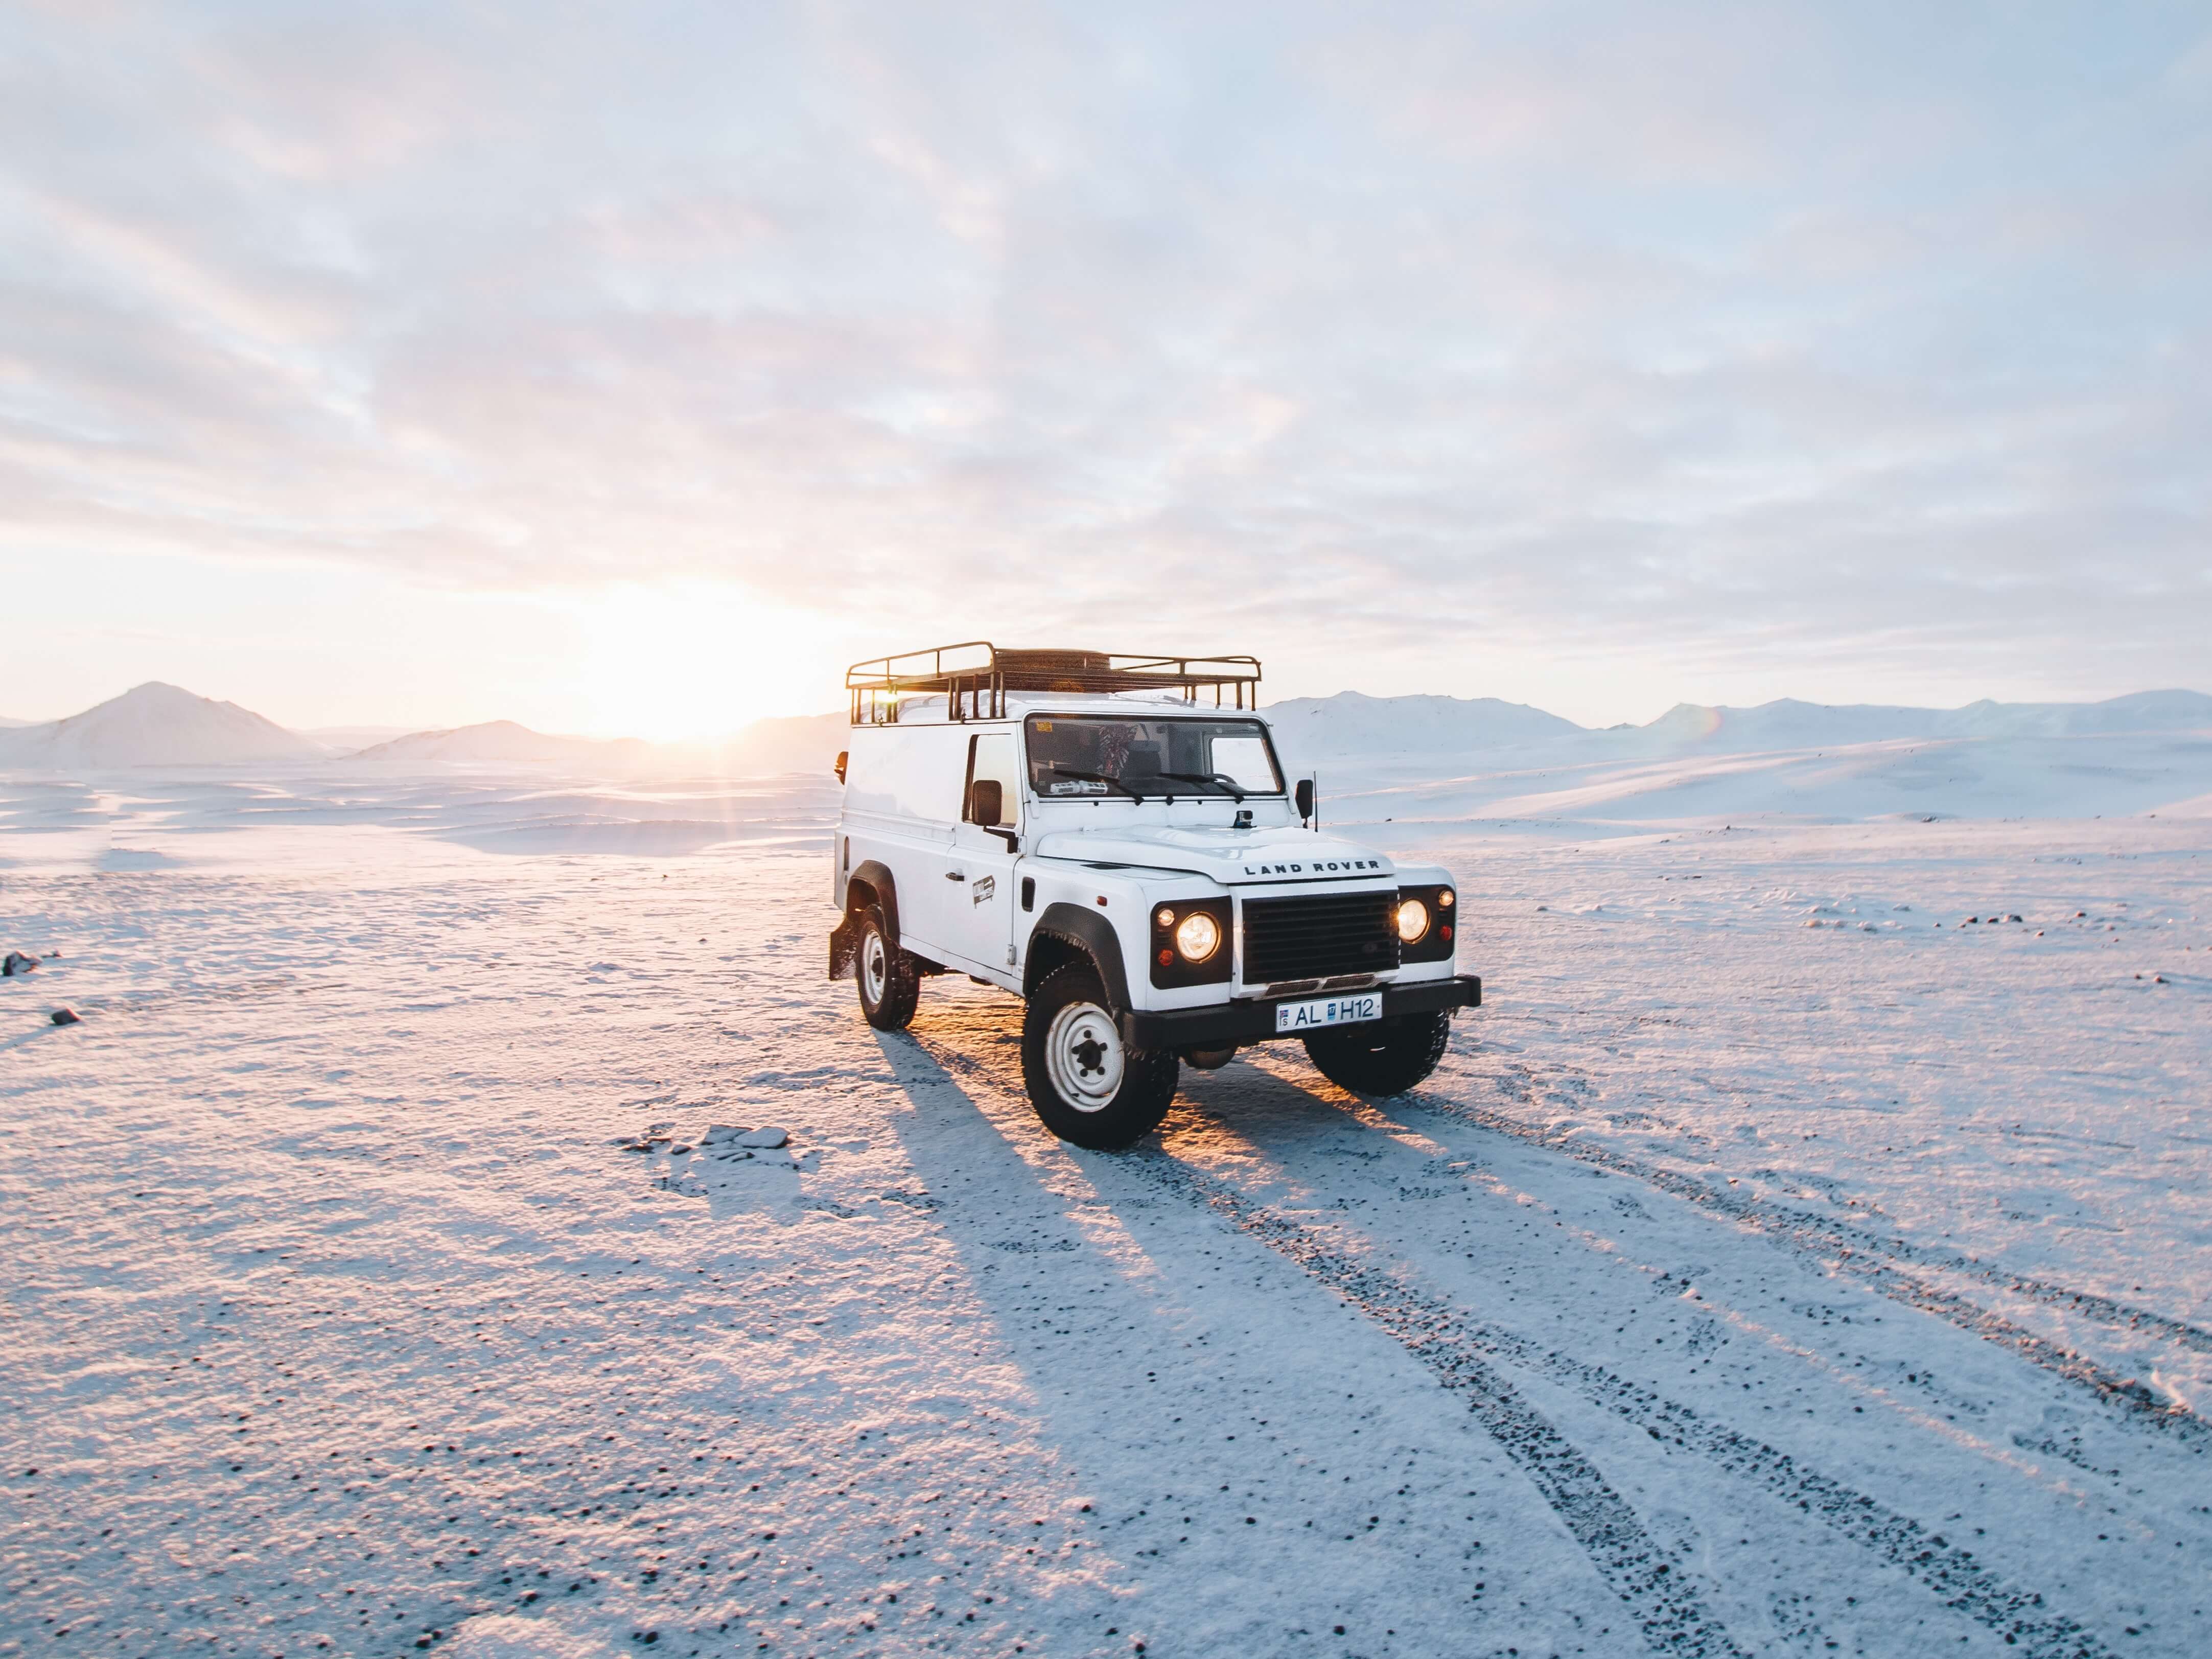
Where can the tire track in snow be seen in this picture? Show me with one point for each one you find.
(1459, 1351)
(1838, 1235)
(1875, 1263)
(1663, 1598)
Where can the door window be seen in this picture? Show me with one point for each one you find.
(991, 755)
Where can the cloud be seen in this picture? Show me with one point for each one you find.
(1711, 341)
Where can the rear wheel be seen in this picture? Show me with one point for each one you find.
(889, 980)
(1383, 1056)
(1088, 1085)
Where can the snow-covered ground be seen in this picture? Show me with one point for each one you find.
(1780, 1263)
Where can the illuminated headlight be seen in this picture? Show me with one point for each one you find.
(1198, 936)
(1412, 921)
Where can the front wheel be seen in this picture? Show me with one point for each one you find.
(1088, 1085)
(1381, 1057)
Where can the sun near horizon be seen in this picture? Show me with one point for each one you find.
(692, 661)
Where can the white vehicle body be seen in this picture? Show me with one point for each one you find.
(1074, 867)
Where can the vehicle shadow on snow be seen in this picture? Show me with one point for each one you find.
(1274, 1115)
(1158, 1372)
(1002, 1188)
(971, 1045)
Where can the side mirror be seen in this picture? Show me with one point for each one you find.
(840, 765)
(986, 801)
(1305, 797)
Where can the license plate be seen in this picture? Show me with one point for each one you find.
(1329, 1010)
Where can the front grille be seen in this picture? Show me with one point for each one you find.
(1319, 936)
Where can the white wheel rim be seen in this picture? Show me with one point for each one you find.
(875, 967)
(1082, 1056)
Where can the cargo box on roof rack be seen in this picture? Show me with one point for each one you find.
(974, 676)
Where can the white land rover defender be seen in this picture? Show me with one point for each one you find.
(1078, 829)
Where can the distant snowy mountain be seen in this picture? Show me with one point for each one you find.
(503, 743)
(1434, 759)
(154, 724)
(1351, 726)
(795, 742)
(1353, 723)
(806, 742)
(1408, 759)
(2138, 712)
(352, 739)
(7, 724)
(1788, 724)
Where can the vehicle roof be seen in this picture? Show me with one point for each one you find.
(930, 711)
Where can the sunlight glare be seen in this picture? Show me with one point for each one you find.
(691, 660)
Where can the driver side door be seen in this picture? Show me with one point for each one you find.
(982, 860)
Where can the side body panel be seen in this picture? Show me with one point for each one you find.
(901, 801)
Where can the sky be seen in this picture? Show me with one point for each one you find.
(632, 369)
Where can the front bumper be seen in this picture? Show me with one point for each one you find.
(1238, 1023)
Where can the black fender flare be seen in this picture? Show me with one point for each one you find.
(1094, 935)
(872, 873)
(845, 941)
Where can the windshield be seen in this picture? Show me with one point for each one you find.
(1072, 756)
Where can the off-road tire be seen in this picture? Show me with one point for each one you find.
(1088, 1086)
(889, 980)
(1381, 1057)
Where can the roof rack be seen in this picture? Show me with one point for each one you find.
(974, 677)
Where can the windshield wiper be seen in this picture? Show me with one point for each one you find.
(1219, 779)
(1093, 777)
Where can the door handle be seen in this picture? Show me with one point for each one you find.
(955, 875)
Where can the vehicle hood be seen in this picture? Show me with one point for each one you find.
(1233, 857)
